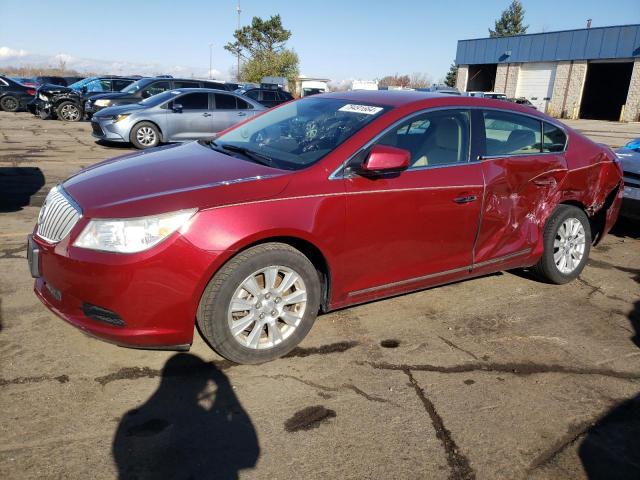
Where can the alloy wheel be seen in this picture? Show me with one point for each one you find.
(569, 245)
(267, 307)
(10, 104)
(70, 113)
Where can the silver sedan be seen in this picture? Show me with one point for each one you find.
(173, 116)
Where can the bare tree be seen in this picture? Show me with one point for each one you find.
(419, 80)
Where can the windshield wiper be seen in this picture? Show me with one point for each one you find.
(255, 156)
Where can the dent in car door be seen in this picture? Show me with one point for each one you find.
(194, 121)
(417, 227)
(521, 182)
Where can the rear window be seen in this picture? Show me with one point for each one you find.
(225, 102)
(554, 139)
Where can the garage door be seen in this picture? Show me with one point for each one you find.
(535, 83)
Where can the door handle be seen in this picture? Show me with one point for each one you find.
(465, 199)
(545, 182)
(205, 114)
(242, 114)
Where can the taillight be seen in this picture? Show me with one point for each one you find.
(31, 91)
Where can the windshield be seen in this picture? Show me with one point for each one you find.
(300, 133)
(81, 83)
(159, 98)
(135, 86)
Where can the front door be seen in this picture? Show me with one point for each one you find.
(193, 121)
(521, 174)
(417, 227)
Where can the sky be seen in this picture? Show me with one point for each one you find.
(339, 40)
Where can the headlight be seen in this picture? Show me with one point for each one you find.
(42, 97)
(131, 235)
(102, 103)
(118, 118)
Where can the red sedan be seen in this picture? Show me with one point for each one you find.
(318, 204)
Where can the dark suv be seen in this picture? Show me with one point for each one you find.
(144, 88)
(267, 96)
(67, 103)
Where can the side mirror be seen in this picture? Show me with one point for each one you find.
(385, 159)
(177, 108)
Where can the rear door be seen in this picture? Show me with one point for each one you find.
(195, 119)
(229, 110)
(521, 176)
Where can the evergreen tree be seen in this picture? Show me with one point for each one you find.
(511, 22)
(452, 75)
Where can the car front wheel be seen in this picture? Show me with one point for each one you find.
(144, 135)
(261, 304)
(9, 104)
(69, 112)
(567, 243)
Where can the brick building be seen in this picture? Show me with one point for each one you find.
(586, 73)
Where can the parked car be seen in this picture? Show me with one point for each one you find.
(50, 80)
(444, 89)
(318, 204)
(173, 116)
(523, 101)
(13, 95)
(629, 156)
(145, 88)
(493, 95)
(269, 97)
(66, 103)
(72, 80)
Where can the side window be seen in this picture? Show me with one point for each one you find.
(185, 84)
(434, 138)
(194, 101)
(554, 139)
(268, 96)
(225, 102)
(97, 86)
(217, 86)
(511, 134)
(155, 88)
(120, 84)
(242, 105)
(254, 94)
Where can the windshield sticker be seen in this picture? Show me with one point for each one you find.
(366, 109)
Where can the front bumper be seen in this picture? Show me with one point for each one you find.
(109, 131)
(38, 105)
(153, 295)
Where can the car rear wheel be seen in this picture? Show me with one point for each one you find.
(9, 104)
(261, 304)
(567, 243)
(144, 135)
(69, 112)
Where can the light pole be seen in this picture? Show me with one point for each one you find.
(210, 60)
(238, 55)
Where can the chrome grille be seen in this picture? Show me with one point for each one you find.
(58, 215)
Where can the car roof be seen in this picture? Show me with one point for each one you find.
(195, 89)
(394, 98)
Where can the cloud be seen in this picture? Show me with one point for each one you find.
(10, 57)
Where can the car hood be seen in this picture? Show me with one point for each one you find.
(630, 160)
(171, 178)
(119, 109)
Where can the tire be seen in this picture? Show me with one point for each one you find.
(577, 244)
(266, 313)
(144, 135)
(10, 103)
(69, 112)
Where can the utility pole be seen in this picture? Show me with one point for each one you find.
(238, 54)
(210, 60)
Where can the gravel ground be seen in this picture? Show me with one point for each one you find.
(500, 377)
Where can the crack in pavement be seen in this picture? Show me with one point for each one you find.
(595, 289)
(325, 388)
(510, 367)
(453, 345)
(458, 463)
(42, 378)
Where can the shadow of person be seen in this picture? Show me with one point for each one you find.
(192, 427)
(611, 448)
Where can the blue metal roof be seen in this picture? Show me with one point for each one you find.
(596, 43)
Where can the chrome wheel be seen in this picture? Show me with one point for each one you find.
(569, 245)
(267, 307)
(70, 113)
(146, 136)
